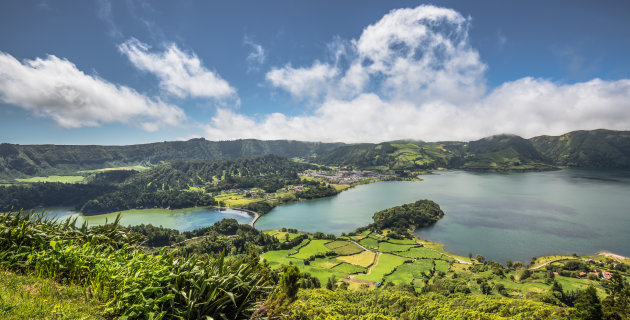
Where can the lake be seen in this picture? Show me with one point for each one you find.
(180, 219)
(500, 215)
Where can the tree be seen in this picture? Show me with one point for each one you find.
(588, 306)
(289, 281)
(485, 288)
(332, 283)
(617, 304)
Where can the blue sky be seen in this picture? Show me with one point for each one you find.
(123, 72)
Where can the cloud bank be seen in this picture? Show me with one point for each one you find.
(180, 73)
(56, 89)
(413, 74)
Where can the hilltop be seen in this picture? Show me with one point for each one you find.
(595, 149)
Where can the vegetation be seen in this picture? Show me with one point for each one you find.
(135, 199)
(64, 179)
(399, 303)
(29, 297)
(126, 281)
(50, 194)
(317, 192)
(400, 219)
(596, 148)
(593, 149)
(43, 160)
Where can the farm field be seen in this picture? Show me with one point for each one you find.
(348, 249)
(422, 253)
(63, 179)
(363, 259)
(386, 264)
(392, 247)
(313, 248)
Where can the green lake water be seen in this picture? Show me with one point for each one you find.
(180, 219)
(502, 216)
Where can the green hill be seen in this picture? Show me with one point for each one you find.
(504, 152)
(31, 160)
(597, 149)
(594, 149)
(397, 155)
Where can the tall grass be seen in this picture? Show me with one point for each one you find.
(130, 283)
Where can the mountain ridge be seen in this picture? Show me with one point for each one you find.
(599, 148)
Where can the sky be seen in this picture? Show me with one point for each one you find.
(135, 71)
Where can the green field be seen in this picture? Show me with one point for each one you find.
(314, 247)
(336, 244)
(422, 253)
(137, 168)
(408, 272)
(280, 257)
(369, 243)
(392, 247)
(348, 249)
(362, 259)
(385, 265)
(63, 179)
(348, 268)
(235, 199)
(441, 265)
(281, 235)
(402, 241)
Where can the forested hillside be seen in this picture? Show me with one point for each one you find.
(177, 184)
(31, 160)
(594, 149)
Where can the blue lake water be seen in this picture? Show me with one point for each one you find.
(180, 219)
(500, 215)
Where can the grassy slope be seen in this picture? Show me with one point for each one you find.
(29, 297)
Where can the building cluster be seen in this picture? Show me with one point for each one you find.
(341, 176)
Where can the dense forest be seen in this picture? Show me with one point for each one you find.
(419, 214)
(269, 172)
(30, 160)
(177, 184)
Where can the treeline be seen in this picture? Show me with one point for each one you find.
(164, 186)
(315, 192)
(226, 236)
(268, 172)
(130, 198)
(401, 219)
(48, 194)
(22, 160)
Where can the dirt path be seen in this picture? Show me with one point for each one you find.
(348, 279)
(544, 264)
(358, 244)
(351, 278)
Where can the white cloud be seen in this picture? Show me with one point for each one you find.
(256, 57)
(527, 107)
(180, 73)
(55, 88)
(303, 83)
(414, 75)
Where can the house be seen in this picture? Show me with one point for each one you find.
(607, 275)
